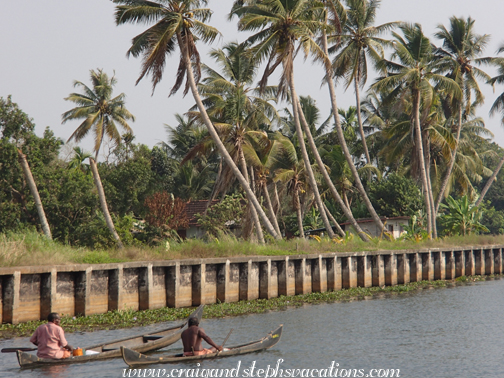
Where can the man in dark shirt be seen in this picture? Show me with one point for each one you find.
(191, 338)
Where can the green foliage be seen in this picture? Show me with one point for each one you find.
(414, 231)
(94, 234)
(462, 217)
(312, 220)
(127, 183)
(14, 123)
(492, 219)
(162, 169)
(221, 216)
(396, 196)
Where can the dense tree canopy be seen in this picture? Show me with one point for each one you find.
(413, 145)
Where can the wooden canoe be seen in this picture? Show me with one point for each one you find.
(142, 343)
(134, 358)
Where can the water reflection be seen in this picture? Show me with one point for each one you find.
(441, 333)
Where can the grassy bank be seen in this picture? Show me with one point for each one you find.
(127, 319)
(33, 249)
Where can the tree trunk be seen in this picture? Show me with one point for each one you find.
(252, 178)
(336, 224)
(270, 209)
(429, 182)
(277, 206)
(346, 152)
(421, 160)
(214, 191)
(34, 191)
(327, 178)
(359, 118)
(489, 182)
(296, 108)
(277, 200)
(452, 164)
(299, 215)
(257, 223)
(103, 203)
(220, 146)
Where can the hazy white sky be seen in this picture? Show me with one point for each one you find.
(46, 45)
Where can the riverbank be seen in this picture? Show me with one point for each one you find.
(32, 249)
(129, 318)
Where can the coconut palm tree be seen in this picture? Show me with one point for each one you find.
(357, 42)
(460, 50)
(279, 27)
(99, 110)
(77, 161)
(333, 9)
(412, 77)
(290, 171)
(264, 157)
(497, 106)
(236, 107)
(179, 23)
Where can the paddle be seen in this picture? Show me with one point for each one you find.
(11, 350)
(224, 342)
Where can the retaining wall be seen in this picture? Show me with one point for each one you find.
(31, 293)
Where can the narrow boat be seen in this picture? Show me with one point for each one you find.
(142, 343)
(134, 358)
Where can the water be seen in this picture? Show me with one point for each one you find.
(436, 333)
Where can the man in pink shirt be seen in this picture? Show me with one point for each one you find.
(50, 339)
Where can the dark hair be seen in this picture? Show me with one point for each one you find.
(193, 322)
(52, 316)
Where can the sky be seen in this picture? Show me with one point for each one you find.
(47, 45)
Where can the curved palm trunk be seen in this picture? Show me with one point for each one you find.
(257, 223)
(346, 152)
(270, 209)
(103, 203)
(277, 206)
(214, 190)
(299, 215)
(489, 182)
(359, 118)
(429, 182)
(421, 160)
(34, 191)
(220, 146)
(335, 222)
(452, 164)
(345, 198)
(296, 108)
(327, 178)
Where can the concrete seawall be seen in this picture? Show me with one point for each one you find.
(31, 293)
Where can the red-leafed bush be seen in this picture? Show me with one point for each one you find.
(166, 211)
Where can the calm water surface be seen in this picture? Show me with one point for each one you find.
(437, 333)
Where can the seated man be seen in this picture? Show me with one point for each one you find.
(50, 339)
(191, 338)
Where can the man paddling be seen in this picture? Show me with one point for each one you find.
(50, 339)
(191, 338)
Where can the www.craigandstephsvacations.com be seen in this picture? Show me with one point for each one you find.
(269, 371)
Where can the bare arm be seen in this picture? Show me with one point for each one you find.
(34, 338)
(207, 338)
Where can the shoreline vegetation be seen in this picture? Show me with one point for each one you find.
(129, 318)
(31, 248)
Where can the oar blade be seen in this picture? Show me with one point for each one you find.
(12, 350)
